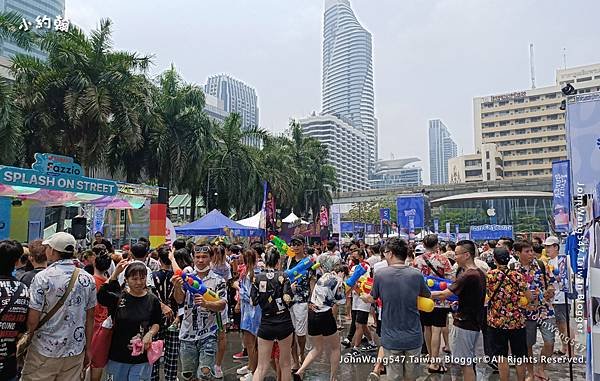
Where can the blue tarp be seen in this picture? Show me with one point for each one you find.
(214, 223)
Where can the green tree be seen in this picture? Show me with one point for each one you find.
(83, 95)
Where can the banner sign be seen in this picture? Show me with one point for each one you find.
(448, 228)
(98, 220)
(484, 232)
(457, 229)
(336, 219)
(436, 226)
(385, 214)
(346, 227)
(411, 207)
(370, 229)
(59, 173)
(561, 202)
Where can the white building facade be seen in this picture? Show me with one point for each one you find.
(346, 149)
(485, 165)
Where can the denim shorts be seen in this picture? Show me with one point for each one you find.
(118, 371)
(198, 355)
(547, 328)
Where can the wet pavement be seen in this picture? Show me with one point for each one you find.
(319, 370)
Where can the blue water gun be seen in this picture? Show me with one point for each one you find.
(301, 269)
(359, 271)
(195, 285)
(439, 284)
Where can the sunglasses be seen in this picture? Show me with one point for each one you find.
(297, 244)
(201, 249)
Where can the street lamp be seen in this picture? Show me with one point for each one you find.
(208, 185)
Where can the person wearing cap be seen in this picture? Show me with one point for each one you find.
(505, 289)
(299, 307)
(552, 246)
(60, 348)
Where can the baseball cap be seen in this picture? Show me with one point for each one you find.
(297, 238)
(552, 240)
(62, 242)
(420, 249)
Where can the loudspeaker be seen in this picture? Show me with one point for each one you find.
(79, 227)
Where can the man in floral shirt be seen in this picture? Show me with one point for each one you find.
(435, 264)
(539, 313)
(505, 313)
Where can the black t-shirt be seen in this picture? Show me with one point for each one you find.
(134, 315)
(470, 289)
(28, 276)
(13, 319)
(271, 291)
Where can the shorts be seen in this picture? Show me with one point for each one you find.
(360, 317)
(466, 346)
(546, 327)
(250, 318)
(560, 312)
(121, 371)
(321, 323)
(299, 312)
(197, 355)
(500, 338)
(277, 331)
(398, 370)
(436, 318)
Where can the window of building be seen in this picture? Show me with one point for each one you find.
(537, 161)
(552, 117)
(536, 129)
(503, 122)
(535, 119)
(555, 127)
(537, 150)
(553, 149)
(520, 121)
(536, 140)
(553, 138)
(551, 96)
(504, 133)
(519, 100)
(520, 132)
(488, 177)
(502, 103)
(487, 165)
(538, 172)
(584, 79)
(487, 154)
(534, 109)
(533, 99)
(488, 104)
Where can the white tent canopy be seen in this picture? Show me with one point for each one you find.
(293, 218)
(252, 222)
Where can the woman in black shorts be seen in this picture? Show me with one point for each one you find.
(322, 326)
(271, 291)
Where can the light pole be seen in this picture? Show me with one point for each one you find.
(208, 185)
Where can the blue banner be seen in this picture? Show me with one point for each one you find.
(485, 232)
(457, 229)
(5, 205)
(561, 201)
(347, 226)
(385, 214)
(411, 207)
(436, 226)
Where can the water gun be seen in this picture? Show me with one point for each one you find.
(359, 271)
(283, 247)
(425, 304)
(195, 285)
(365, 284)
(301, 269)
(439, 284)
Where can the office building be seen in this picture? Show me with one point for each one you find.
(346, 149)
(485, 165)
(215, 108)
(237, 97)
(441, 149)
(30, 10)
(396, 173)
(528, 126)
(348, 72)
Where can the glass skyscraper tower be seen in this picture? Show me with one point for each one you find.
(348, 72)
(30, 9)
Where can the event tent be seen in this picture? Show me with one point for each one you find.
(215, 223)
(291, 218)
(253, 222)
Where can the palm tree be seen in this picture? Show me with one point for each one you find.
(82, 96)
(10, 120)
(180, 135)
(238, 181)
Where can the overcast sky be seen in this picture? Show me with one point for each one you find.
(430, 57)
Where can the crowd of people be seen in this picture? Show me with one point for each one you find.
(140, 313)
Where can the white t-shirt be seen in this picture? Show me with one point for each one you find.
(357, 302)
(373, 259)
(559, 296)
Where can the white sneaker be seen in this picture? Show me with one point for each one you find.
(243, 370)
(247, 377)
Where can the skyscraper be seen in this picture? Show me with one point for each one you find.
(30, 9)
(441, 148)
(348, 72)
(237, 97)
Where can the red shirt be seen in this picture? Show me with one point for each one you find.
(100, 312)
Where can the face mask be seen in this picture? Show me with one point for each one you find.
(202, 270)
